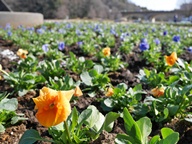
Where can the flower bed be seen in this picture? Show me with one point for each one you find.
(135, 82)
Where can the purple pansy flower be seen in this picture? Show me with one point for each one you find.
(112, 31)
(176, 38)
(62, 31)
(80, 43)
(68, 25)
(40, 31)
(190, 49)
(9, 33)
(165, 33)
(45, 47)
(30, 28)
(144, 40)
(78, 32)
(144, 45)
(8, 26)
(157, 41)
(61, 46)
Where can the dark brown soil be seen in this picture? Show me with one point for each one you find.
(26, 105)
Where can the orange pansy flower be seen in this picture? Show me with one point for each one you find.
(78, 92)
(106, 51)
(170, 60)
(22, 53)
(52, 106)
(109, 92)
(158, 91)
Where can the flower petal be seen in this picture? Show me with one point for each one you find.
(67, 94)
(78, 92)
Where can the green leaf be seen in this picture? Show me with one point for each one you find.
(15, 119)
(30, 137)
(85, 77)
(166, 113)
(188, 118)
(124, 139)
(58, 127)
(96, 119)
(22, 92)
(74, 119)
(108, 102)
(145, 127)
(131, 126)
(172, 79)
(98, 68)
(2, 128)
(109, 121)
(154, 139)
(166, 132)
(172, 109)
(186, 89)
(83, 116)
(9, 104)
(170, 139)
(91, 94)
(181, 63)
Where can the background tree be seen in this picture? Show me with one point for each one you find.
(105, 9)
(186, 5)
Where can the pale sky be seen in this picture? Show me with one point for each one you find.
(157, 4)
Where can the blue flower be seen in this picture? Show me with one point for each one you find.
(144, 46)
(31, 29)
(44, 27)
(45, 47)
(62, 31)
(190, 49)
(40, 31)
(165, 33)
(176, 38)
(78, 32)
(157, 41)
(61, 46)
(144, 40)
(112, 31)
(145, 34)
(69, 26)
(80, 43)
(8, 26)
(9, 33)
(123, 36)
(98, 29)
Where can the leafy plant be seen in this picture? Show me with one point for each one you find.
(123, 97)
(8, 115)
(23, 82)
(137, 132)
(95, 80)
(51, 69)
(30, 64)
(113, 63)
(79, 128)
(175, 102)
(153, 78)
(78, 65)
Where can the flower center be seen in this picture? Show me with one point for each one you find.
(51, 105)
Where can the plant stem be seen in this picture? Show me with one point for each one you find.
(68, 133)
(4, 72)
